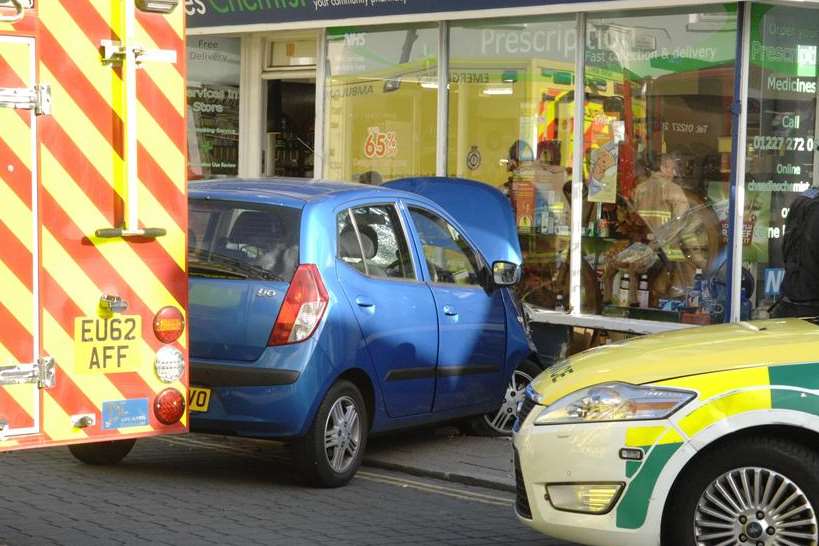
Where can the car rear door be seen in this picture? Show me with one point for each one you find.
(396, 312)
(471, 318)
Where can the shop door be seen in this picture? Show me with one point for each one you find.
(19, 297)
(291, 121)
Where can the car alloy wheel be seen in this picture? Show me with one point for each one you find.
(342, 434)
(754, 506)
(502, 421)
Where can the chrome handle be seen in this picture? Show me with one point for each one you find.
(18, 15)
(450, 311)
(363, 302)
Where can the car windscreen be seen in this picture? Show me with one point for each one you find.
(234, 240)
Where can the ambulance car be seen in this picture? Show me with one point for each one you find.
(93, 215)
(706, 437)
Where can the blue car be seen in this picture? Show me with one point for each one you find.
(323, 312)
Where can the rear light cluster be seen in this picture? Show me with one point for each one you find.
(169, 325)
(302, 309)
(169, 406)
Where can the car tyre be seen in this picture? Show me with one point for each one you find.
(705, 508)
(501, 421)
(102, 453)
(331, 452)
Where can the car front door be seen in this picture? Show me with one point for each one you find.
(396, 312)
(471, 318)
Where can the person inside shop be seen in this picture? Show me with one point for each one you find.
(662, 206)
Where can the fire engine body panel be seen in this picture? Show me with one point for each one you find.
(93, 215)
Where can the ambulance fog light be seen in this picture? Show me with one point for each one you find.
(586, 498)
(157, 6)
(169, 323)
(169, 364)
(169, 406)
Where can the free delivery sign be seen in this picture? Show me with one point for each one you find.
(217, 13)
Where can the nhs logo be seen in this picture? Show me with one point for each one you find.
(773, 281)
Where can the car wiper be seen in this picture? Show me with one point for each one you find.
(246, 268)
(216, 270)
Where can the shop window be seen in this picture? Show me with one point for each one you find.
(511, 101)
(657, 142)
(381, 108)
(213, 106)
(781, 157)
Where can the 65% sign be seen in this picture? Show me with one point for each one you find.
(380, 144)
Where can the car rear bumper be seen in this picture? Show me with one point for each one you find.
(261, 399)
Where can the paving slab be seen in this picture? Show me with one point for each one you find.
(445, 453)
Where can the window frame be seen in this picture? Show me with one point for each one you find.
(348, 209)
(482, 262)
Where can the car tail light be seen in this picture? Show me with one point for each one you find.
(302, 309)
(169, 406)
(169, 323)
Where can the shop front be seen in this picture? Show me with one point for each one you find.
(656, 202)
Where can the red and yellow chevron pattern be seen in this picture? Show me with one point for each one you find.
(59, 187)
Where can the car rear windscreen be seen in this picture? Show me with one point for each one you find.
(235, 240)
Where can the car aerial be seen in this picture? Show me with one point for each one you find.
(704, 437)
(321, 312)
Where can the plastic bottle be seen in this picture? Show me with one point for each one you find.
(642, 293)
(695, 294)
(625, 288)
(559, 303)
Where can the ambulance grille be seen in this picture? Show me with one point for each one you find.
(521, 500)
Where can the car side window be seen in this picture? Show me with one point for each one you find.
(449, 257)
(376, 244)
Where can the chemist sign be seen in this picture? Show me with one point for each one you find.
(217, 13)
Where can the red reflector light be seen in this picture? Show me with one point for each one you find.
(169, 406)
(169, 323)
(302, 309)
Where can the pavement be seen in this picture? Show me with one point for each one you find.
(445, 454)
(201, 490)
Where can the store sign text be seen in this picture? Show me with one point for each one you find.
(380, 144)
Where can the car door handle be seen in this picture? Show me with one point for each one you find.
(450, 311)
(361, 301)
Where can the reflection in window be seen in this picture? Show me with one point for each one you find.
(510, 125)
(781, 158)
(659, 88)
(449, 257)
(381, 103)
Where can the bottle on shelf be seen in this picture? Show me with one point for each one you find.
(695, 293)
(642, 292)
(559, 306)
(625, 288)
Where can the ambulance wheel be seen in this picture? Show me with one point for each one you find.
(331, 452)
(501, 421)
(102, 453)
(757, 490)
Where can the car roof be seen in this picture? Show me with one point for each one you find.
(294, 192)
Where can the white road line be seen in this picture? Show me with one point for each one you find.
(361, 474)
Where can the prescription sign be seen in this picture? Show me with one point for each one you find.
(107, 345)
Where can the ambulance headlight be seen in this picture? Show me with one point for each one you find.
(170, 364)
(615, 402)
(586, 498)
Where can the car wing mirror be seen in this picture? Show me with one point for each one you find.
(505, 273)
